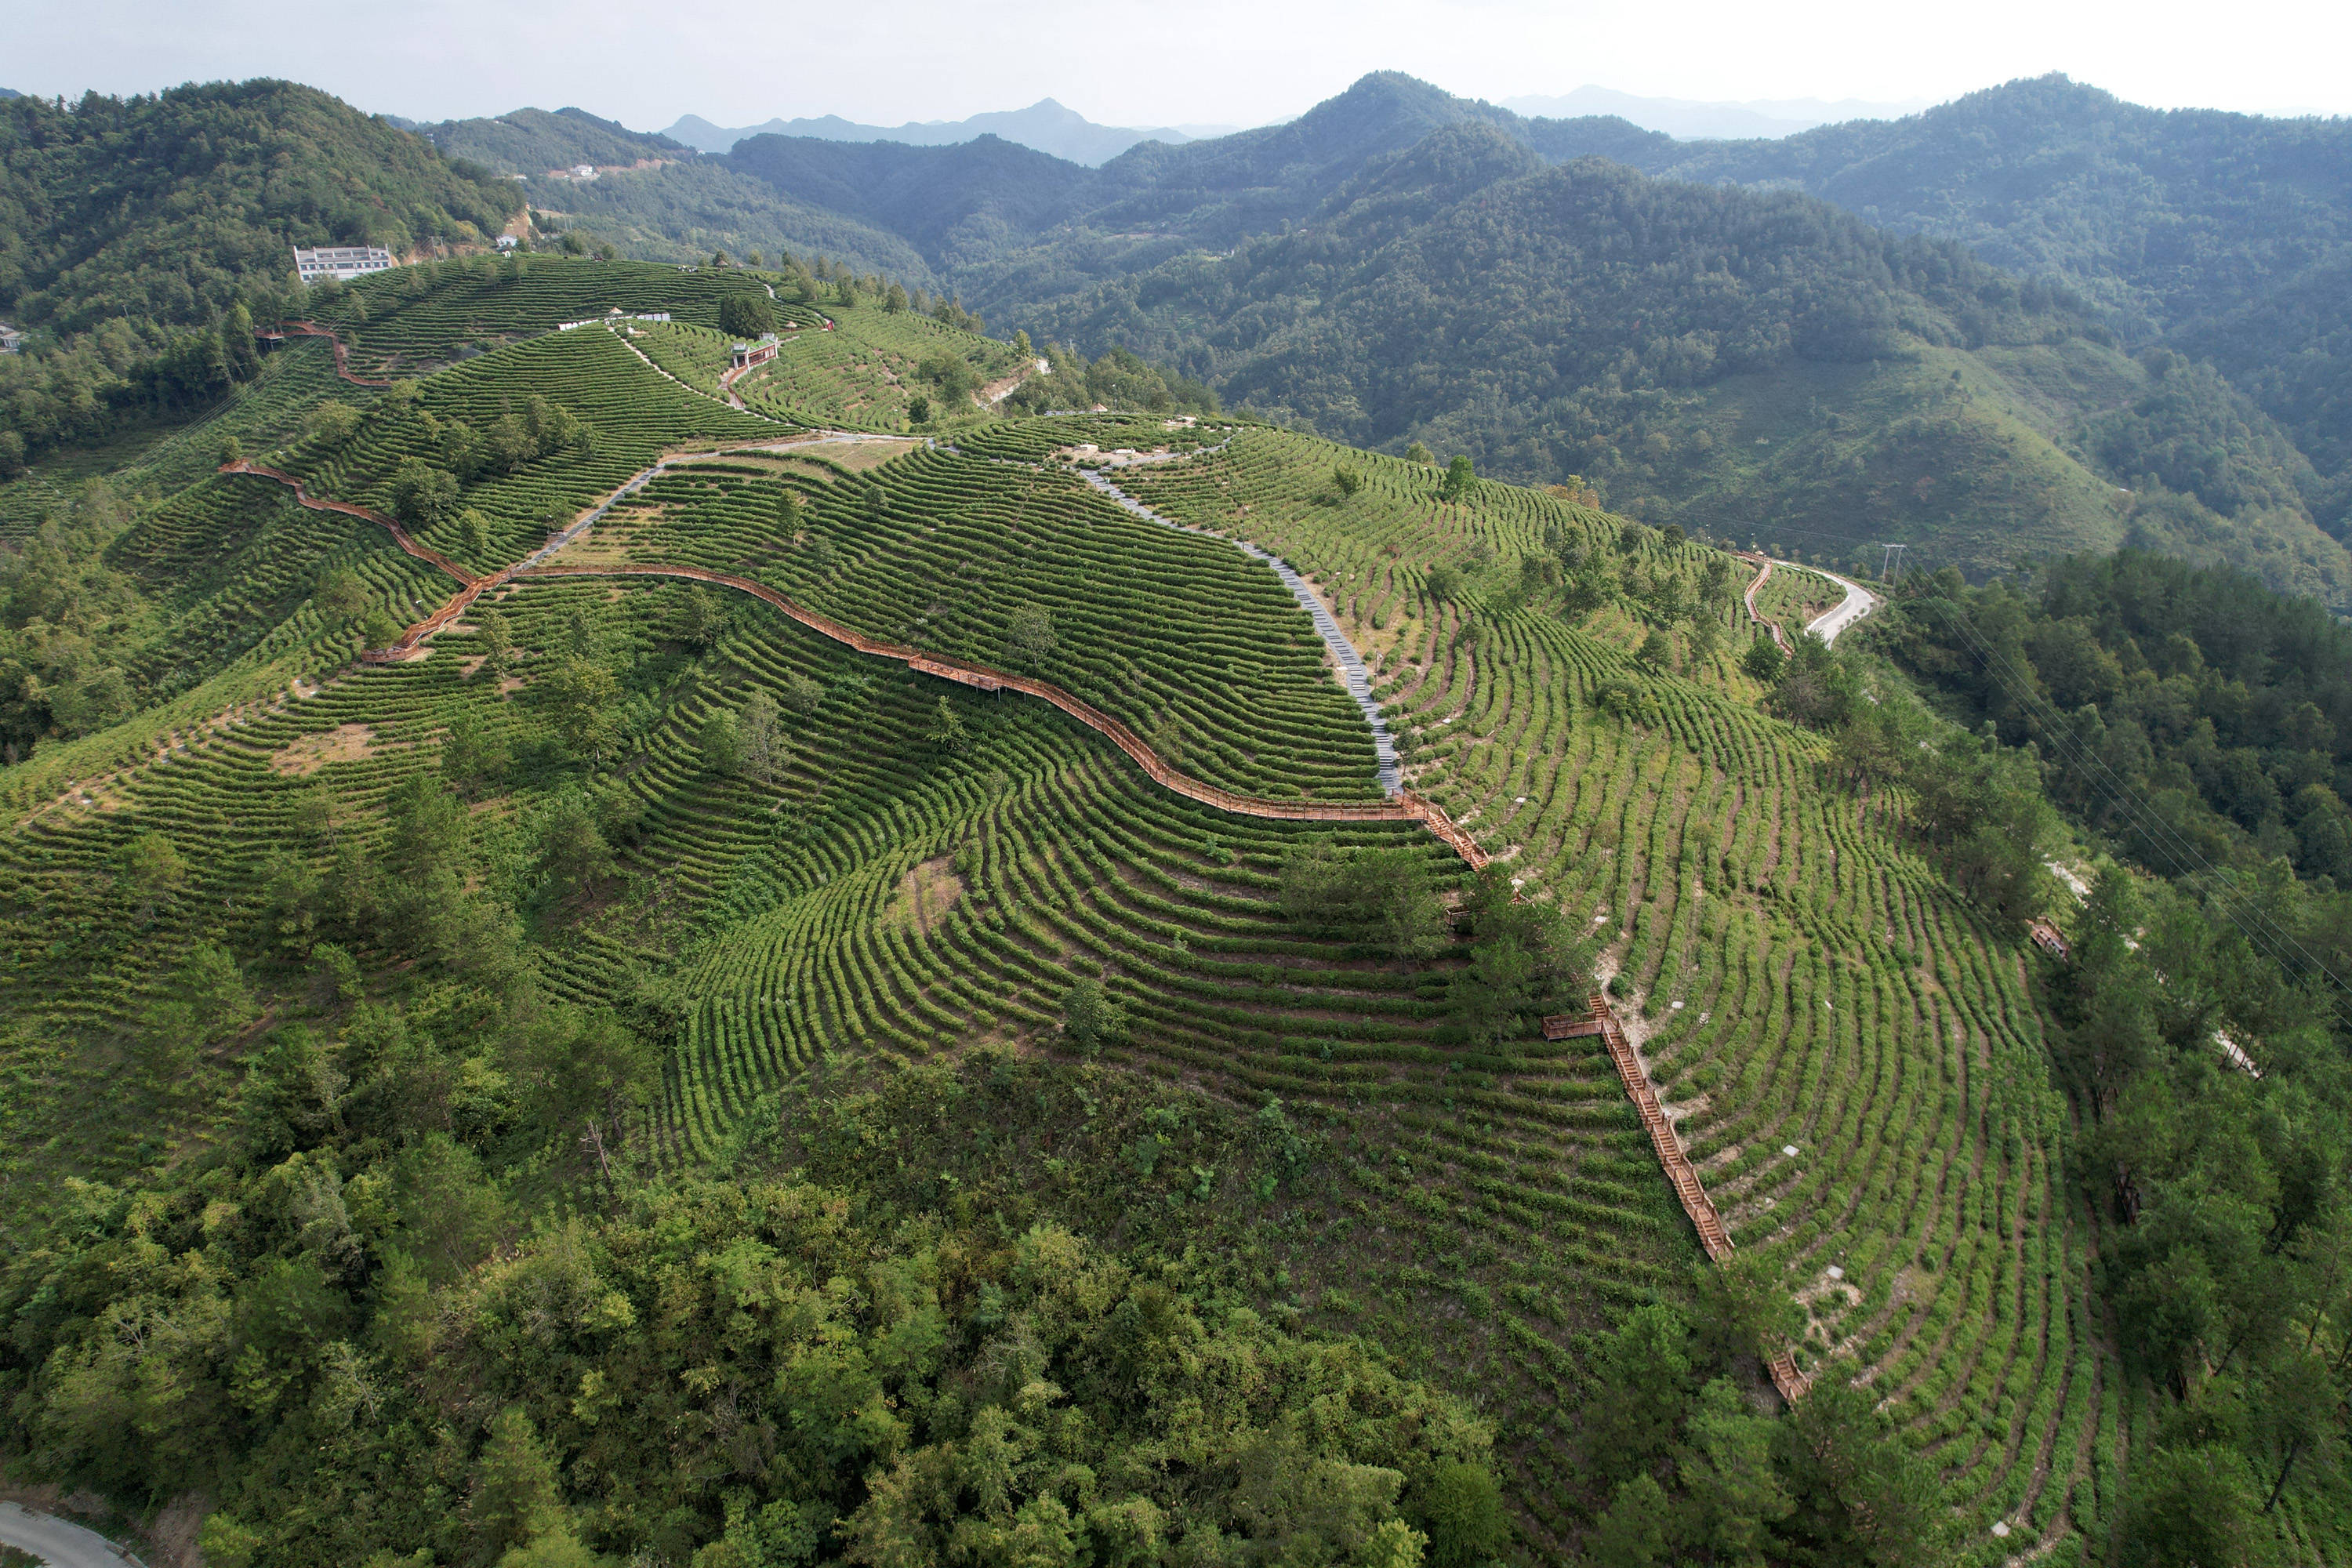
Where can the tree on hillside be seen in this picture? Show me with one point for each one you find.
(422, 495)
(151, 869)
(1090, 1019)
(207, 1000)
(721, 743)
(746, 315)
(1455, 485)
(948, 732)
(701, 619)
(1030, 636)
(582, 700)
(766, 753)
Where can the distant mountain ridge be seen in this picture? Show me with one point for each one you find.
(1391, 266)
(1695, 120)
(534, 142)
(1045, 125)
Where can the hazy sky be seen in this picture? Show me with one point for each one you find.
(1236, 61)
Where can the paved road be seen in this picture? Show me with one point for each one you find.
(1859, 602)
(56, 1542)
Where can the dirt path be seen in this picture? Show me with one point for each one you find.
(1353, 672)
(1406, 807)
(423, 553)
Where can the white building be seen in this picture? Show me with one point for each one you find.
(11, 340)
(506, 242)
(343, 261)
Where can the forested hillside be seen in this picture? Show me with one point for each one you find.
(162, 210)
(141, 238)
(1724, 361)
(2227, 236)
(1402, 267)
(2195, 716)
(534, 142)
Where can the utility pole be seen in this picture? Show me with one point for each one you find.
(1893, 554)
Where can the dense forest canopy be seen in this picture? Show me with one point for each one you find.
(2224, 707)
(534, 142)
(2226, 236)
(164, 209)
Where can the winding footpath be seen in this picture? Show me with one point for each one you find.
(1402, 805)
(1712, 1235)
(1406, 806)
(1763, 565)
(342, 354)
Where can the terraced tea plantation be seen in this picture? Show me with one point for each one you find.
(1855, 1059)
(415, 319)
(816, 865)
(865, 373)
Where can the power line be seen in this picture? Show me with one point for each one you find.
(2271, 939)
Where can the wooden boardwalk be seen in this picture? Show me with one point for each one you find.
(1668, 1143)
(1408, 807)
(1763, 565)
(342, 354)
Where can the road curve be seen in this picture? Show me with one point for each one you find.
(1859, 602)
(56, 1542)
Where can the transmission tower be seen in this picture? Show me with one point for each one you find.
(1894, 554)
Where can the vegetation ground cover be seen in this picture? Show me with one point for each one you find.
(732, 879)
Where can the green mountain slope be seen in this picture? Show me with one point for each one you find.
(2225, 233)
(572, 937)
(1737, 363)
(534, 142)
(1403, 269)
(165, 209)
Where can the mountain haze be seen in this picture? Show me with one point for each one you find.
(1690, 119)
(1045, 125)
(534, 142)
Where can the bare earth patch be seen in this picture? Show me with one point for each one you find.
(926, 893)
(343, 743)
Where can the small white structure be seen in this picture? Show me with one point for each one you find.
(11, 340)
(507, 242)
(749, 354)
(340, 261)
(583, 171)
